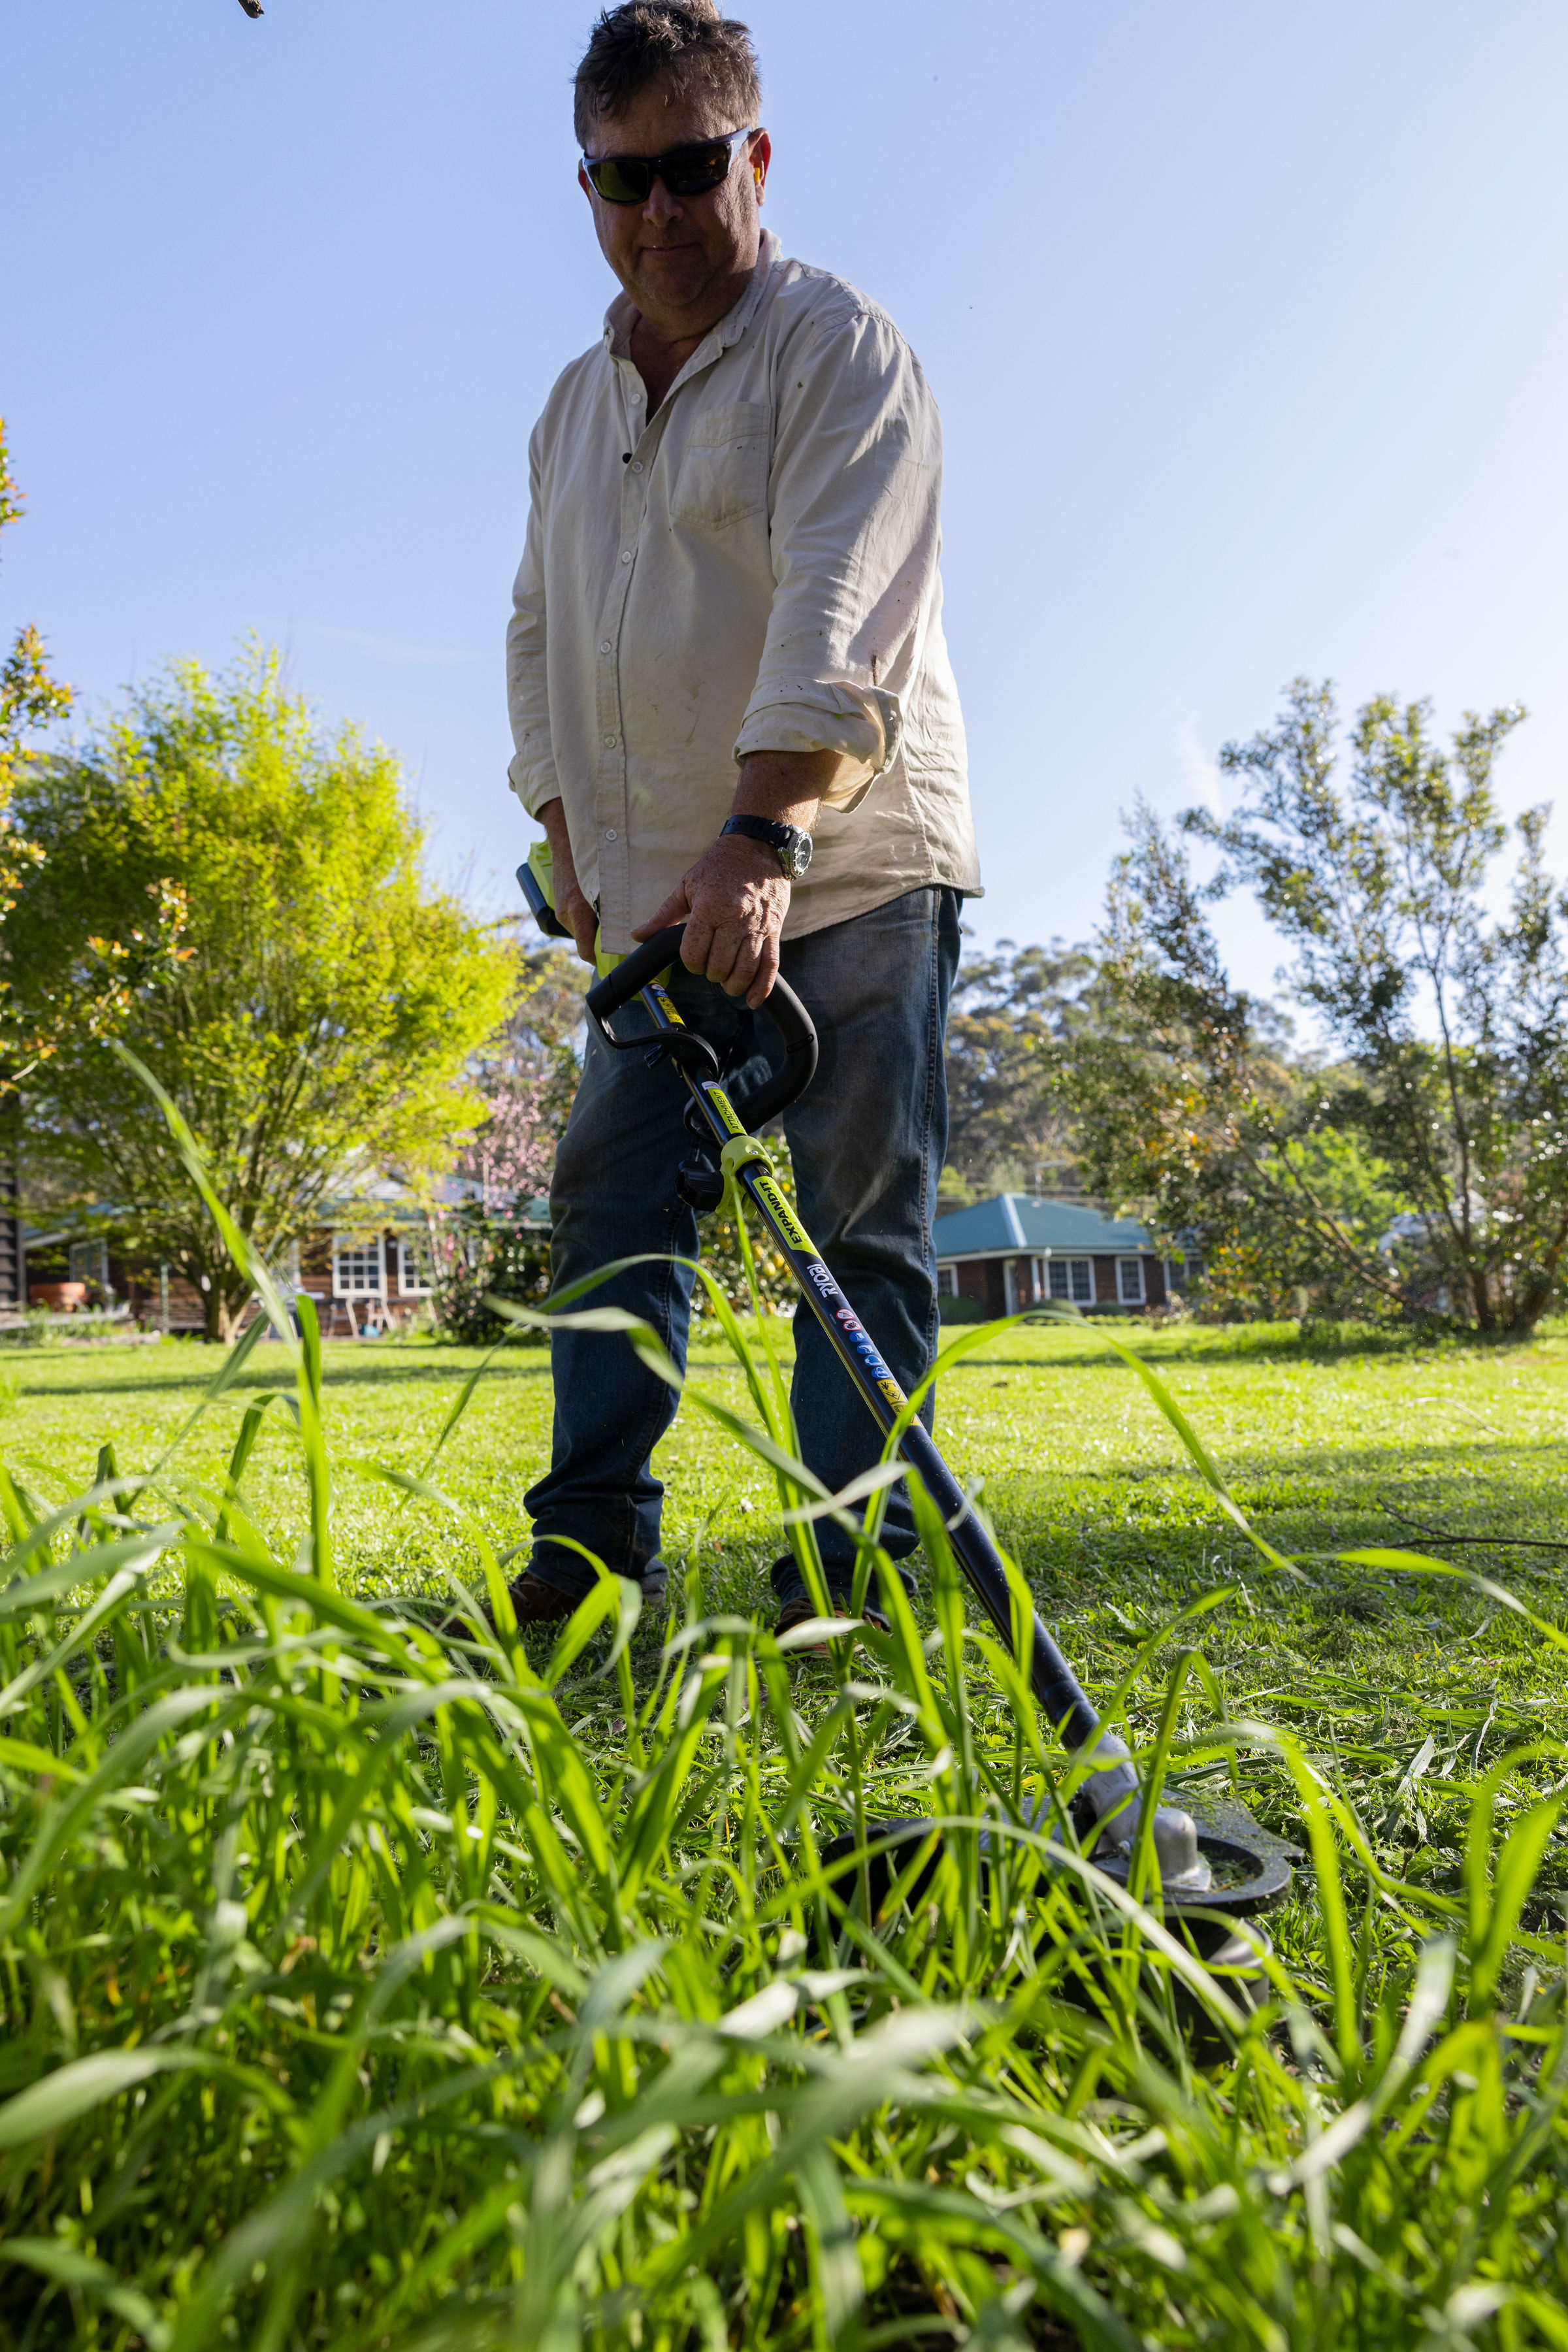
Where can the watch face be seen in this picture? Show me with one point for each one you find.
(796, 857)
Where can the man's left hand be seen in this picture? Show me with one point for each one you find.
(732, 902)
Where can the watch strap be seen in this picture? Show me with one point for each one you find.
(765, 829)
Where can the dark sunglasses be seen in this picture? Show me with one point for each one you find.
(684, 170)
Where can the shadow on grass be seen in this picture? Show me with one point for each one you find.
(1110, 1534)
(1067, 1347)
(441, 1369)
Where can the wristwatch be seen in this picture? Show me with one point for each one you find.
(791, 847)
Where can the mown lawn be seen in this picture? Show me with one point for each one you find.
(407, 1996)
(1324, 1448)
(1327, 1449)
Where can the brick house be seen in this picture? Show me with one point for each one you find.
(369, 1275)
(1014, 1250)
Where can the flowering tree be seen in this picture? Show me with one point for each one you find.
(482, 1244)
(512, 1155)
(29, 696)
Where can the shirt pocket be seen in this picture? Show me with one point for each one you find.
(723, 475)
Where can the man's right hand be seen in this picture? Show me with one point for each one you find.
(570, 906)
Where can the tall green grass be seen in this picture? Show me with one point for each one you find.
(369, 1988)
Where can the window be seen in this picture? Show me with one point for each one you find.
(357, 1268)
(1130, 1281)
(947, 1281)
(1071, 1277)
(87, 1262)
(413, 1268)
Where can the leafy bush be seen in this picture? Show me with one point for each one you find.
(771, 1285)
(478, 1256)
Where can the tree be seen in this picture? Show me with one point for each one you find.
(29, 696)
(316, 1030)
(107, 969)
(1448, 1028)
(1014, 1015)
(1192, 1112)
(482, 1244)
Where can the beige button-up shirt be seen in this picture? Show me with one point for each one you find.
(753, 569)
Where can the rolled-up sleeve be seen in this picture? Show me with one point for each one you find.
(532, 767)
(855, 503)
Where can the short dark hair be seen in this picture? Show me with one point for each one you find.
(686, 40)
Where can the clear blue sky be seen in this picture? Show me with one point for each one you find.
(1250, 325)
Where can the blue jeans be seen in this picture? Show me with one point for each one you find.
(867, 1140)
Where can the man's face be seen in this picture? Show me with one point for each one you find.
(683, 259)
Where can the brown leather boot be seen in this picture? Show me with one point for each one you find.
(533, 1601)
(801, 1613)
(537, 1602)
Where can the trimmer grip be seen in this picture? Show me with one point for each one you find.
(644, 963)
(788, 1014)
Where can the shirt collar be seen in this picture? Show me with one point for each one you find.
(622, 314)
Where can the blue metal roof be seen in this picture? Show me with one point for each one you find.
(1011, 1223)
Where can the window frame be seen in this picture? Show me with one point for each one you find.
(1068, 1296)
(342, 1247)
(406, 1257)
(1123, 1296)
(87, 1261)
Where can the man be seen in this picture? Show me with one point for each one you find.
(732, 708)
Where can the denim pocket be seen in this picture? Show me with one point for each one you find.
(723, 475)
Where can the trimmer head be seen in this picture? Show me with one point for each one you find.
(1250, 1868)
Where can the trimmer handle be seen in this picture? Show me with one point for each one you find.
(631, 975)
(783, 1008)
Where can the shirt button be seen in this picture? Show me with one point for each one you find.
(625, 556)
(611, 833)
(611, 742)
(637, 468)
(603, 645)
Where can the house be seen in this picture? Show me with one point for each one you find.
(1014, 1250)
(372, 1275)
(376, 1275)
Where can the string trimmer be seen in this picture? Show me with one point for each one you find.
(1219, 1860)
